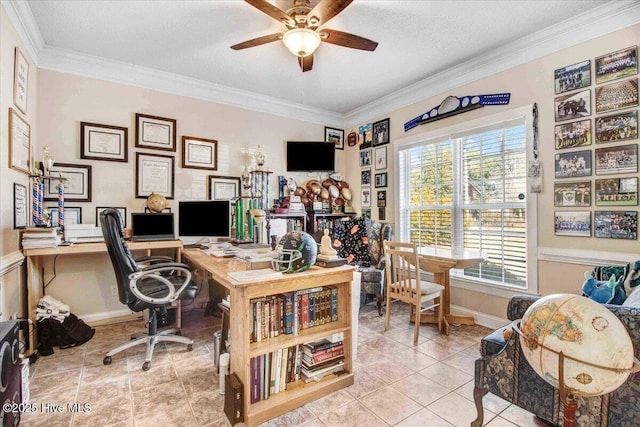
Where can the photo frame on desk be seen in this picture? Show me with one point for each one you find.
(19, 142)
(121, 211)
(20, 212)
(72, 215)
(199, 153)
(224, 187)
(20, 81)
(77, 184)
(104, 142)
(154, 174)
(155, 132)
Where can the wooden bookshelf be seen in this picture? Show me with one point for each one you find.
(298, 393)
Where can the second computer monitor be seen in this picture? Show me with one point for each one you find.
(203, 220)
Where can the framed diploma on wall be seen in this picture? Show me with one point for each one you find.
(224, 187)
(199, 153)
(154, 174)
(77, 183)
(155, 132)
(103, 142)
(19, 142)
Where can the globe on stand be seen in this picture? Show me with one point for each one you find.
(578, 346)
(156, 203)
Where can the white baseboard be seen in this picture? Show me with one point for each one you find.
(98, 318)
(482, 319)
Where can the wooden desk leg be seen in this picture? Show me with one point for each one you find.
(34, 293)
(443, 279)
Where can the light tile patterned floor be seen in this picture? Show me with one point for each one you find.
(396, 383)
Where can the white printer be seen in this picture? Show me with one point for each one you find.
(82, 233)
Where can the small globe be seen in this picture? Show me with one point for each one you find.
(156, 202)
(584, 331)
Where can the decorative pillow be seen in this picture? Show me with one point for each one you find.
(633, 279)
(351, 241)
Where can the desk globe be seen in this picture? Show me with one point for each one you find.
(156, 203)
(576, 345)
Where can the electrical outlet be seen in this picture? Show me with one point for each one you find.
(114, 290)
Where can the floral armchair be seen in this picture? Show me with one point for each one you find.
(359, 240)
(504, 371)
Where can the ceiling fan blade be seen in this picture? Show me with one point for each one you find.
(273, 11)
(306, 62)
(258, 41)
(325, 10)
(348, 40)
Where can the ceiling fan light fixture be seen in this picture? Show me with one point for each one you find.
(301, 41)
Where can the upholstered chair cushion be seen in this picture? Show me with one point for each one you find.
(352, 242)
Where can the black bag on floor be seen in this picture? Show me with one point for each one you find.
(70, 333)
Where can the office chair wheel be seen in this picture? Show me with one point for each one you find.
(106, 360)
(189, 347)
(146, 366)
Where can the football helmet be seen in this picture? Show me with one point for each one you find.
(296, 252)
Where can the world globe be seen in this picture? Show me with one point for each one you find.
(598, 352)
(156, 202)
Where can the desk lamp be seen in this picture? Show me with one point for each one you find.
(578, 346)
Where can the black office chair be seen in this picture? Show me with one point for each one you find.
(150, 285)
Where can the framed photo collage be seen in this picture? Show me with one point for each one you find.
(372, 141)
(596, 132)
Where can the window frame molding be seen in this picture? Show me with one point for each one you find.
(531, 199)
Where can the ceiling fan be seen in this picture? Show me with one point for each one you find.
(303, 35)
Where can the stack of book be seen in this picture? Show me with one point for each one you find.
(40, 237)
(272, 372)
(321, 358)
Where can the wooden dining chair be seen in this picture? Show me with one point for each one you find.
(404, 284)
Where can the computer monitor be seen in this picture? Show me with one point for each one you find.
(201, 220)
(152, 226)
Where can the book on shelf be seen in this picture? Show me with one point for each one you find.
(313, 359)
(321, 344)
(318, 374)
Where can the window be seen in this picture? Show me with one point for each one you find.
(466, 189)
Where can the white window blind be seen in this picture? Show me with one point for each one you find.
(466, 191)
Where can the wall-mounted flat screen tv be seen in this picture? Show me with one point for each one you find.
(311, 156)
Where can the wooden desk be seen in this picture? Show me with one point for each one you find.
(440, 262)
(35, 258)
(242, 350)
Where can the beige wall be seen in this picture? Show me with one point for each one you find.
(10, 283)
(67, 100)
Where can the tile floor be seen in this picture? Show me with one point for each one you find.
(396, 383)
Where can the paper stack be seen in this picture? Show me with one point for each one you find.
(40, 237)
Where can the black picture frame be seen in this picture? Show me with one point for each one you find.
(20, 206)
(72, 215)
(365, 177)
(223, 187)
(334, 135)
(381, 180)
(104, 142)
(381, 197)
(572, 193)
(77, 183)
(153, 132)
(381, 132)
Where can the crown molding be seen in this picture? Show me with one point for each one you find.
(71, 62)
(25, 25)
(596, 22)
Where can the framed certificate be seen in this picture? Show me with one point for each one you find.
(19, 142)
(20, 81)
(77, 183)
(103, 142)
(199, 153)
(154, 174)
(19, 205)
(223, 187)
(155, 132)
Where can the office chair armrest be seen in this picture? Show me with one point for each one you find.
(154, 258)
(156, 272)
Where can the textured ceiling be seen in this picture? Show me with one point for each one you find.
(417, 39)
